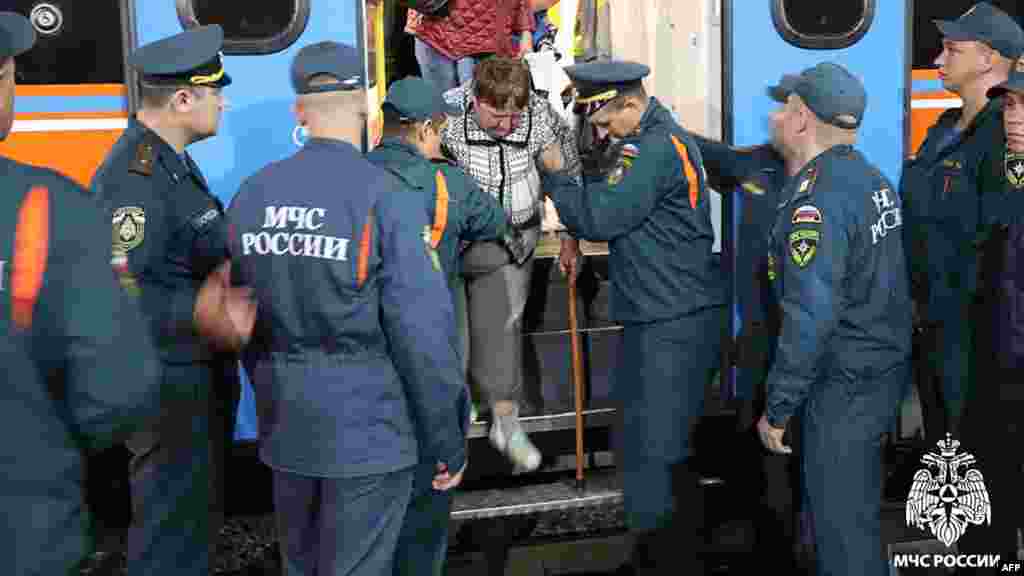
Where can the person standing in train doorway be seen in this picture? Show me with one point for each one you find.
(169, 236)
(414, 118)
(654, 211)
(838, 273)
(939, 188)
(993, 421)
(353, 359)
(80, 373)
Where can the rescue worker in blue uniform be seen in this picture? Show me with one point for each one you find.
(79, 374)
(759, 173)
(939, 188)
(653, 210)
(839, 273)
(456, 210)
(992, 429)
(168, 237)
(353, 359)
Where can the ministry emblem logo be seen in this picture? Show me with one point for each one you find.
(949, 494)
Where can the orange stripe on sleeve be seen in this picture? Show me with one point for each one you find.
(440, 211)
(363, 264)
(31, 247)
(691, 174)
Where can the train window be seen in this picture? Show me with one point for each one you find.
(820, 25)
(262, 27)
(72, 47)
(928, 40)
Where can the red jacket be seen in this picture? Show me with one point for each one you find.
(476, 27)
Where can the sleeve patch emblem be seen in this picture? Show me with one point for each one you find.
(435, 260)
(772, 274)
(129, 223)
(803, 245)
(752, 188)
(807, 214)
(1014, 165)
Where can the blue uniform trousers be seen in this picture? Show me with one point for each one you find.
(423, 542)
(175, 486)
(664, 369)
(842, 470)
(340, 526)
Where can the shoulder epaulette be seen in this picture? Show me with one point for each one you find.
(144, 155)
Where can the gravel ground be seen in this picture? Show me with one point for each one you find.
(248, 544)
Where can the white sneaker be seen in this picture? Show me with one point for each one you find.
(516, 446)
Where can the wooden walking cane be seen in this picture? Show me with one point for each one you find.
(577, 374)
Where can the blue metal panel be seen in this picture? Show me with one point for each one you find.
(258, 126)
(760, 56)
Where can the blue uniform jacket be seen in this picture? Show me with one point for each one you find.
(80, 369)
(352, 359)
(839, 272)
(469, 214)
(760, 174)
(653, 210)
(170, 229)
(939, 188)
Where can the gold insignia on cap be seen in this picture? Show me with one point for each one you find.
(602, 97)
(208, 78)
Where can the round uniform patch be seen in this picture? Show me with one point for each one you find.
(129, 227)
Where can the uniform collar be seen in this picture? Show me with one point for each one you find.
(398, 145)
(340, 145)
(654, 115)
(992, 108)
(177, 167)
(405, 162)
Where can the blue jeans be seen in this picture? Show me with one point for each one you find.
(442, 71)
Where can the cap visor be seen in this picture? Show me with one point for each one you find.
(778, 93)
(952, 30)
(21, 34)
(1000, 89)
(225, 80)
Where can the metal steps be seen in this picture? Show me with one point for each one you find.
(602, 487)
(593, 418)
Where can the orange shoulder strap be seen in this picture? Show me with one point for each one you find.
(691, 173)
(31, 247)
(440, 210)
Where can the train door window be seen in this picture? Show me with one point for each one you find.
(254, 27)
(813, 24)
(76, 43)
(928, 40)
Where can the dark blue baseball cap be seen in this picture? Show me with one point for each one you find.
(780, 92)
(341, 62)
(16, 34)
(1014, 83)
(414, 99)
(190, 58)
(988, 24)
(836, 96)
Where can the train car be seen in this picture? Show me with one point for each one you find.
(711, 59)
